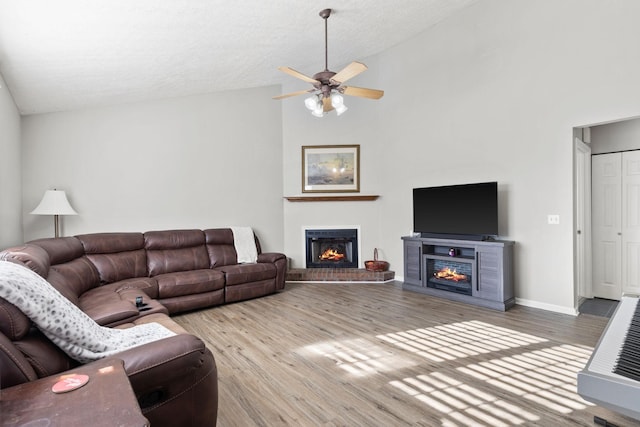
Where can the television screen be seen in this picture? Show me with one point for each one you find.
(468, 209)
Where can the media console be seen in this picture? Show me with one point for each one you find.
(474, 272)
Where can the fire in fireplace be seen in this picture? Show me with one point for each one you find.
(447, 273)
(331, 248)
(332, 255)
(450, 275)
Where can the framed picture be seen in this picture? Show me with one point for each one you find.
(331, 169)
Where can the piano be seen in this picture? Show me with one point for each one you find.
(611, 377)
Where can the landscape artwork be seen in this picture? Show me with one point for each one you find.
(330, 168)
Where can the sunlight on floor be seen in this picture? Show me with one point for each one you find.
(464, 339)
(360, 357)
(541, 375)
(463, 404)
(545, 377)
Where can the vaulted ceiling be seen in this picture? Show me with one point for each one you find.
(70, 54)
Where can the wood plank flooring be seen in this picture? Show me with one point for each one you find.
(374, 355)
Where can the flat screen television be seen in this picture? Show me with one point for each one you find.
(469, 210)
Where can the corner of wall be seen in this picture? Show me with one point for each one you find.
(10, 169)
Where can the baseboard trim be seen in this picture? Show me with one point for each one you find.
(571, 311)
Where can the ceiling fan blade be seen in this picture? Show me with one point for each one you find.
(326, 105)
(349, 71)
(362, 92)
(297, 74)
(288, 95)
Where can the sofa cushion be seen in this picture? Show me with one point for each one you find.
(245, 273)
(63, 286)
(162, 319)
(106, 306)
(61, 249)
(117, 256)
(189, 283)
(220, 247)
(78, 276)
(142, 285)
(120, 266)
(25, 352)
(43, 355)
(16, 369)
(109, 243)
(66, 257)
(34, 257)
(175, 250)
(13, 323)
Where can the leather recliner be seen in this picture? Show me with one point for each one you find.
(174, 379)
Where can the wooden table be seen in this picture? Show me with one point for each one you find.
(106, 400)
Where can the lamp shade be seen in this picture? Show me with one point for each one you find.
(54, 202)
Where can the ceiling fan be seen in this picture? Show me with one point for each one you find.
(328, 86)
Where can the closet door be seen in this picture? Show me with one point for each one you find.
(606, 220)
(631, 221)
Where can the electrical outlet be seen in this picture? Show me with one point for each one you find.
(553, 219)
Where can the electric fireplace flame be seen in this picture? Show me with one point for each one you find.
(447, 273)
(331, 255)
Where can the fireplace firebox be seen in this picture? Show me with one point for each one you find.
(450, 275)
(332, 248)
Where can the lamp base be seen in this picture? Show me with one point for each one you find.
(56, 225)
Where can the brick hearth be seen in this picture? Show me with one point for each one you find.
(338, 275)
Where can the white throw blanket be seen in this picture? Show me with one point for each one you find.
(245, 244)
(63, 323)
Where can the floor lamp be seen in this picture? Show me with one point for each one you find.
(54, 202)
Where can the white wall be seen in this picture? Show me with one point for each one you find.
(10, 164)
(212, 160)
(491, 94)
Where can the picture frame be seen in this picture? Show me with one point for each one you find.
(331, 168)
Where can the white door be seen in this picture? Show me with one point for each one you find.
(606, 220)
(630, 221)
(583, 220)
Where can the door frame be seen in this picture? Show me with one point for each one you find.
(583, 284)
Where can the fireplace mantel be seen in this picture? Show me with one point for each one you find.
(358, 198)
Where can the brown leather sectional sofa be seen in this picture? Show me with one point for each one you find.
(174, 379)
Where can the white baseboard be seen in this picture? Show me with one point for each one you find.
(549, 307)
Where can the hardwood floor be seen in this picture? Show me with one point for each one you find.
(330, 354)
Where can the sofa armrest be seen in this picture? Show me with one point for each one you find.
(175, 381)
(271, 257)
(280, 261)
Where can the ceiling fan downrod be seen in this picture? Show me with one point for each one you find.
(324, 85)
(324, 14)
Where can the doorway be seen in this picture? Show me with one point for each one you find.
(603, 139)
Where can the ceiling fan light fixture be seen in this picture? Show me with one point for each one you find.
(318, 112)
(337, 102)
(312, 102)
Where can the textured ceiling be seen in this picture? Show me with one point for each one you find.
(69, 54)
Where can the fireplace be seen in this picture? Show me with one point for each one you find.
(453, 275)
(331, 248)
